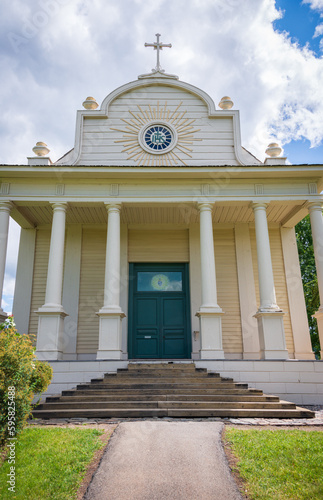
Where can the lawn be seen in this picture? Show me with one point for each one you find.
(50, 463)
(278, 464)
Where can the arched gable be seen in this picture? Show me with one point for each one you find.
(117, 133)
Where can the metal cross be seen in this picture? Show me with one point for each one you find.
(158, 46)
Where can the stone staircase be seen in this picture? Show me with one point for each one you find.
(166, 390)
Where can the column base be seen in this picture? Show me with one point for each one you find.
(319, 318)
(304, 355)
(50, 333)
(211, 333)
(251, 355)
(110, 333)
(271, 335)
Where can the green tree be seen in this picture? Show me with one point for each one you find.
(308, 271)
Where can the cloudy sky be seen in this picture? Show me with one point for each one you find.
(266, 55)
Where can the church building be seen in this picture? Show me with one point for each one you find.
(159, 237)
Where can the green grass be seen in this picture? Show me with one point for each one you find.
(279, 464)
(50, 463)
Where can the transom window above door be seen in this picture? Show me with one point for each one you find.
(171, 281)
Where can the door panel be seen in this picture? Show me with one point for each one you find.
(146, 311)
(147, 343)
(174, 343)
(173, 311)
(159, 316)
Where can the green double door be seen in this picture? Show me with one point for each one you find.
(159, 313)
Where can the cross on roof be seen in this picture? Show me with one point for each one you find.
(158, 46)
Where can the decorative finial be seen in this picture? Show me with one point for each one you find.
(273, 150)
(225, 103)
(90, 103)
(41, 149)
(158, 46)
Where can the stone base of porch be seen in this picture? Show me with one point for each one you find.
(299, 381)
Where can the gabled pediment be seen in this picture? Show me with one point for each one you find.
(158, 122)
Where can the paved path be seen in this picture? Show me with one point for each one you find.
(151, 460)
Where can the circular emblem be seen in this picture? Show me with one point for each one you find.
(160, 282)
(158, 138)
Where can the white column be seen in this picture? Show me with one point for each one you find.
(52, 314)
(112, 262)
(110, 331)
(269, 315)
(265, 269)
(209, 313)
(315, 210)
(54, 285)
(5, 208)
(208, 278)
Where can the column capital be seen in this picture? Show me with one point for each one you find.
(59, 206)
(205, 207)
(6, 206)
(259, 205)
(113, 207)
(314, 205)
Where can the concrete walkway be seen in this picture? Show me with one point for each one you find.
(151, 460)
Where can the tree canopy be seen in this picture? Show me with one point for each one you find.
(308, 271)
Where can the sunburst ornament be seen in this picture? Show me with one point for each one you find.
(160, 282)
(157, 136)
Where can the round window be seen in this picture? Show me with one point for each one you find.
(157, 138)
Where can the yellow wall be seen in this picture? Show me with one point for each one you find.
(40, 276)
(147, 245)
(91, 288)
(227, 287)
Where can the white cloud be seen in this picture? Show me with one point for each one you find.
(318, 31)
(85, 49)
(315, 4)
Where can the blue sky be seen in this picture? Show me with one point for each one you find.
(266, 55)
(299, 22)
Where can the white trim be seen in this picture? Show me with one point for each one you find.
(124, 286)
(297, 307)
(24, 279)
(247, 292)
(71, 288)
(195, 286)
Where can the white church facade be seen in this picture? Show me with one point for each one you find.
(159, 237)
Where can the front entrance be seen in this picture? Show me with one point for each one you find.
(159, 311)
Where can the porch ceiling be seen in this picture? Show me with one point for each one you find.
(287, 213)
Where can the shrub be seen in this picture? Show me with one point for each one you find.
(21, 376)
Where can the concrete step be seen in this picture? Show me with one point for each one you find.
(196, 405)
(161, 385)
(243, 413)
(154, 390)
(199, 373)
(179, 413)
(166, 389)
(162, 397)
(163, 380)
(167, 365)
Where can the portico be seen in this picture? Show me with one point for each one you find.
(192, 236)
